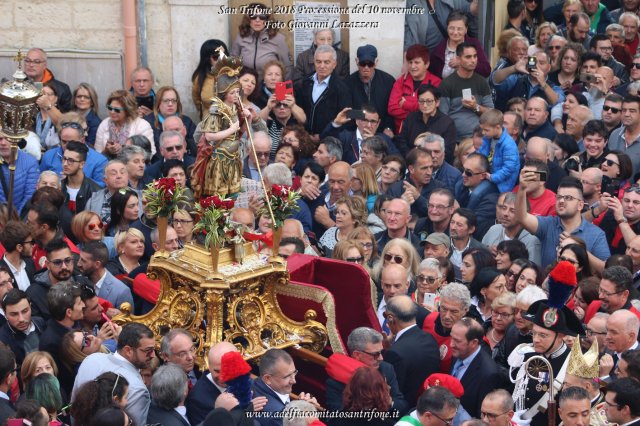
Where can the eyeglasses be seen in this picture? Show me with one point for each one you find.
(288, 376)
(28, 242)
(503, 315)
(367, 246)
(173, 148)
(470, 173)
(366, 64)
(368, 121)
(610, 162)
(184, 354)
(612, 404)
(71, 124)
(437, 206)
(390, 169)
(612, 109)
(589, 332)
(608, 293)
(634, 188)
(64, 143)
(393, 257)
(181, 221)
(83, 97)
(58, 262)
(93, 226)
(147, 351)
(634, 65)
(568, 259)
(607, 49)
(555, 47)
(34, 61)
(70, 160)
(115, 109)
(426, 101)
(510, 273)
(354, 259)
(567, 198)
(170, 101)
(261, 17)
(430, 280)
(446, 422)
(491, 416)
(262, 154)
(291, 141)
(373, 354)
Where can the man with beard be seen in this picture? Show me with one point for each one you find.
(18, 243)
(596, 330)
(136, 349)
(614, 293)
(22, 330)
(552, 322)
(508, 228)
(578, 29)
(455, 300)
(76, 186)
(461, 228)
(59, 265)
(601, 44)
(612, 112)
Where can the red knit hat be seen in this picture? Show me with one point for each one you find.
(233, 366)
(446, 381)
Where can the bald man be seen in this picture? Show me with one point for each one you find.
(541, 149)
(292, 228)
(397, 223)
(622, 333)
(633, 251)
(244, 216)
(591, 185)
(184, 126)
(203, 395)
(577, 118)
(323, 207)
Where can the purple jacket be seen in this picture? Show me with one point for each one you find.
(436, 58)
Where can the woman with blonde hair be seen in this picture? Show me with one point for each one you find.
(36, 363)
(367, 240)
(85, 103)
(350, 213)
(130, 248)
(364, 184)
(463, 149)
(122, 122)
(399, 251)
(76, 346)
(543, 33)
(502, 316)
(87, 226)
(350, 251)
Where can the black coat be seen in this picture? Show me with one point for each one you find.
(29, 267)
(414, 356)
(15, 339)
(380, 89)
(7, 410)
(350, 148)
(201, 400)
(440, 124)
(334, 99)
(481, 377)
(87, 188)
(159, 415)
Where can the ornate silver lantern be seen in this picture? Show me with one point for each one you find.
(17, 111)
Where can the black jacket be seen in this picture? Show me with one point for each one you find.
(380, 89)
(480, 378)
(159, 415)
(201, 400)
(414, 356)
(87, 188)
(414, 125)
(64, 94)
(334, 99)
(15, 339)
(419, 206)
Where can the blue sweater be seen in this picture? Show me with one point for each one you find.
(93, 167)
(26, 178)
(505, 165)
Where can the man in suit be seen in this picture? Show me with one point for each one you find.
(621, 402)
(277, 377)
(168, 392)
(18, 243)
(622, 335)
(476, 192)
(413, 353)
(8, 374)
(365, 345)
(177, 347)
(262, 148)
(472, 366)
(172, 147)
(93, 258)
(136, 349)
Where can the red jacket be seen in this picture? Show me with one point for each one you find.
(403, 87)
(444, 342)
(595, 307)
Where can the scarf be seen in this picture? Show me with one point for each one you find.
(118, 135)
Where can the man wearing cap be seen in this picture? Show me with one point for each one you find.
(552, 322)
(372, 86)
(507, 228)
(436, 245)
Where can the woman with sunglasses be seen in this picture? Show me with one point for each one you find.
(168, 104)
(85, 101)
(130, 247)
(125, 209)
(279, 115)
(350, 212)
(443, 59)
(367, 240)
(87, 226)
(502, 310)
(203, 88)
(107, 390)
(401, 252)
(256, 44)
(618, 168)
(122, 123)
(349, 251)
(429, 281)
(567, 75)
(76, 346)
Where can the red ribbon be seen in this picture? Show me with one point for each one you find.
(265, 238)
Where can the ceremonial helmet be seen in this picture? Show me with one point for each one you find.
(226, 71)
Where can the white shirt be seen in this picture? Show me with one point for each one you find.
(98, 283)
(634, 346)
(381, 308)
(220, 388)
(182, 410)
(401, 332)
(22, 279)
(319, 87)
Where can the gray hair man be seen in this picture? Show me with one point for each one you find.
(168, 392)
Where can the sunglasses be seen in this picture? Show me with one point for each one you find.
(471, 173)
(366, 64)
(173, 148)
(612, 109)
(395, 258)
(72, 125)
(634, 188)
(93, 226)
(115, 109)
(355, 259)
(430, 280)
(610, 163)
(636, 66)
(58, 262)
(555, 47)
(261, 17)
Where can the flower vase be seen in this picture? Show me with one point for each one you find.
(277, 236)
(215, 258)
(163, 223)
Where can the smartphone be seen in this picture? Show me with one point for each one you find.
(466, 94)
(429, 300)
(587, 78)
(355, 114)
(612, 187)
(542, 175)
(283, 89)
(532, 63)
(146, 101)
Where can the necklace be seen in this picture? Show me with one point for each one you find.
(493, 337)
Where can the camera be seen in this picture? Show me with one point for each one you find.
(532, 63)
(587, 78)
(572, 164)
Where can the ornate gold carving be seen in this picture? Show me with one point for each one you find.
(237, 303)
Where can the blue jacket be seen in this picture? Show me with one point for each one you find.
(93, 167)
(26, 178)
(505, 165)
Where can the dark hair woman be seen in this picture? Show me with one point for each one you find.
(203, 80)
(125, 210)
(107, 390)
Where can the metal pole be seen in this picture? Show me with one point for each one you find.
(12, 172)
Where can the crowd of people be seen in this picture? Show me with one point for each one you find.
(496, 210)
